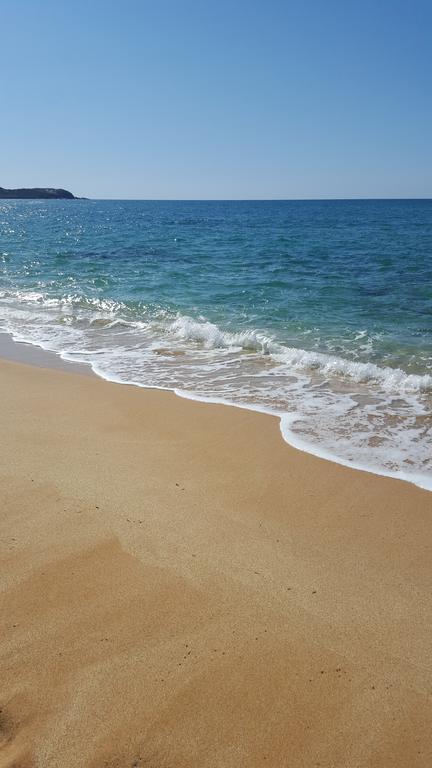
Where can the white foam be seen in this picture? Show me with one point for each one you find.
(391, 379)
(287, 422)
(211, 336)
(358, 414)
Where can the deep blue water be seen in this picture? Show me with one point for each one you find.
(318, 311)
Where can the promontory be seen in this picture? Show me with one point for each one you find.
(37, 193)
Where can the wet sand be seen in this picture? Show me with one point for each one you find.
(181, 589)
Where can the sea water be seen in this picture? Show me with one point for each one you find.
(317, 311)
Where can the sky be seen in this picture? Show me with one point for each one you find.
(217, 99)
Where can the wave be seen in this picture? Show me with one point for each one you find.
(211, 336)
(359, 414)
(110, 306)
(106, 313)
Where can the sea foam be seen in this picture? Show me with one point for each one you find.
(212, 337)
(360, 414)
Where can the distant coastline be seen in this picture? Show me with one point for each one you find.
(36, 193)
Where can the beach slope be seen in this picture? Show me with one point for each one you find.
(181, 589)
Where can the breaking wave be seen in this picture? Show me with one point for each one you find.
(358, 413)
(391, 379)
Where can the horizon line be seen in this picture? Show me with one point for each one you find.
(249, 199)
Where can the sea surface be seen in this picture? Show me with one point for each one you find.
(319, 312)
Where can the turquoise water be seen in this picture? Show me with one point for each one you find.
(320, 312)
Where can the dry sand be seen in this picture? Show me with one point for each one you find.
(180, 589)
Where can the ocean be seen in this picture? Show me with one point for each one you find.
(319, 312)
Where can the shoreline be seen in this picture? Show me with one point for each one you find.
(30, 354)
(27, 352)
(182, 588)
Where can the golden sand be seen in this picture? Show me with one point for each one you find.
(181, 589)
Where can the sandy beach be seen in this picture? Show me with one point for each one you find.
(181, 589)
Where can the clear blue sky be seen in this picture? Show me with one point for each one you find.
(217, 98)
